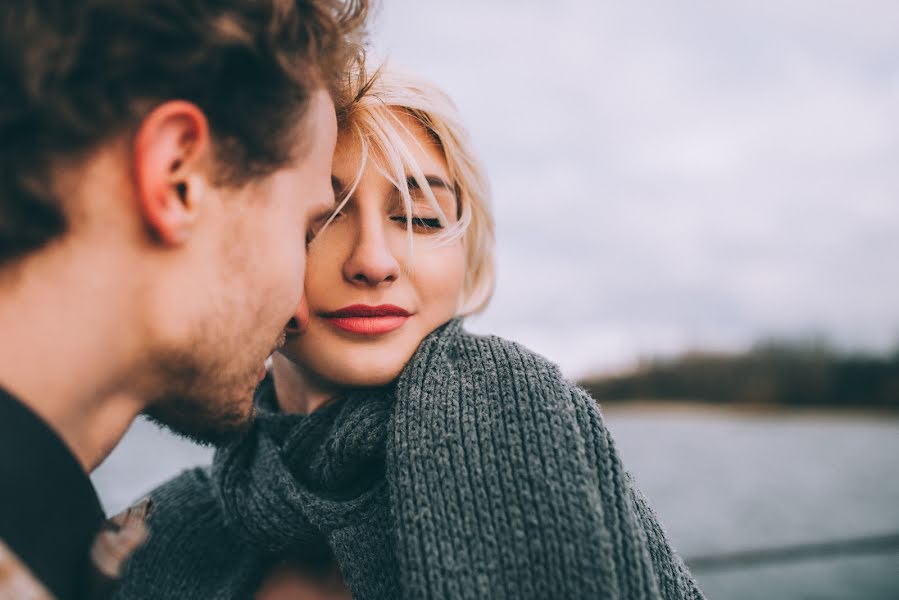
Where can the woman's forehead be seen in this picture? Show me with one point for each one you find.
(424, 149)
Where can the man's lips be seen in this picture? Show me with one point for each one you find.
(300, 320)
(362, 319)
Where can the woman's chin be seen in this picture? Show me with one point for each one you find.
(373, 376)
(350, 363)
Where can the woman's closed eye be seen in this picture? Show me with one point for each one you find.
(320, 223)
(421, 223)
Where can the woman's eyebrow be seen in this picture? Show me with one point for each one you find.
(433, 180)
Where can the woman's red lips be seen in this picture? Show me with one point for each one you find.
(365, 311)
(368, 320)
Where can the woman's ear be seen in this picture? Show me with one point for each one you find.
(171, 152)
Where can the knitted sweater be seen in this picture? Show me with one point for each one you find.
(482, 473)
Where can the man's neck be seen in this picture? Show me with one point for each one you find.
(63, 355)
(296, 391)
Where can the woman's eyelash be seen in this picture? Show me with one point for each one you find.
(318, 225)
(420, 222)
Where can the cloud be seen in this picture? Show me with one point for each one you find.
(668, 175)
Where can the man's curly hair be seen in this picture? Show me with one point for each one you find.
(74, 73)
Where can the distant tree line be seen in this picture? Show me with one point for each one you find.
(805, 373)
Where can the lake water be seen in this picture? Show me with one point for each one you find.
(720, 481)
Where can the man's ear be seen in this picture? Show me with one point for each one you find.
(171, 155)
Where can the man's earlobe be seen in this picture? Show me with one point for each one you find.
(171, 152)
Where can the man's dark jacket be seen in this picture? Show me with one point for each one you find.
(49, 510)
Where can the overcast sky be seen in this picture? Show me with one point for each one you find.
(676, 174)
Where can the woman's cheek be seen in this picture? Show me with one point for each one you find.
(447, 275)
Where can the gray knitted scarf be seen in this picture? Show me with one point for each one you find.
(482, 474)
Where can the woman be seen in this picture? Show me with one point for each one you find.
(395, 455)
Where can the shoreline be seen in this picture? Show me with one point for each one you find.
(688, 407)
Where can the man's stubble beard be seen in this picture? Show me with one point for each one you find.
(206, 392)
(203, 389)
(201, 403)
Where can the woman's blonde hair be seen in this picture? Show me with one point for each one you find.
(369, 117)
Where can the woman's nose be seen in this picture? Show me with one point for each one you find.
(372, 262)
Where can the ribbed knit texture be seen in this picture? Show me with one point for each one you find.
(482, 474)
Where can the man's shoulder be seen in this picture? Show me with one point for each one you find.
(49, 510)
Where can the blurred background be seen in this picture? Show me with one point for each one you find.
(697, 211)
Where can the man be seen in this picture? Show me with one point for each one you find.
(159, 164)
